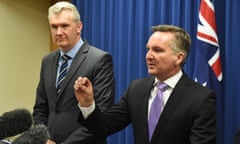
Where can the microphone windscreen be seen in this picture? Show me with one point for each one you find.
(15, 122)
(36, 135)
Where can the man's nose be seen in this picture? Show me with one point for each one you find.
(59, 31)
(149, 54)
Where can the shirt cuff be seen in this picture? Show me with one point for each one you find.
(86, 111)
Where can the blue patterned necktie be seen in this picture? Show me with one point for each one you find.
(156, 108)
(62, 72)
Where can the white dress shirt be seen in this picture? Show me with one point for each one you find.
(171, 83)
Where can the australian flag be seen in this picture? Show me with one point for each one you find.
(207, 68)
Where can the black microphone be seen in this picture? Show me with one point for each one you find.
(15, 122)
(36, 135)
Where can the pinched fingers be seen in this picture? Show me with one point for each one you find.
(83, 91)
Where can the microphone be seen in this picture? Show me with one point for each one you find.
(36, 135)
(15, 122)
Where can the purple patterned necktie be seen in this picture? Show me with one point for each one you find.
(156, 108)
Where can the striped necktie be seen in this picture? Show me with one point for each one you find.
(62, 72)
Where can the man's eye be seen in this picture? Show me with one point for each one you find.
(64, 26)
(54, 27)
(157, 50)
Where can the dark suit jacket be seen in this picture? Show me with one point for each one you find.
(60, 113)
(188, 117)
(236, 139)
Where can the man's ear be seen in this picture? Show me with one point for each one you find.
(79, 27)
(180, 58)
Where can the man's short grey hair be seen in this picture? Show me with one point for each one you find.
(58, 7)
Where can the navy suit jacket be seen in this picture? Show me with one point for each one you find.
(60, 113)
(189, 116)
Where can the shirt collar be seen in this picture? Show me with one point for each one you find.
(72, 52)
(172, 81)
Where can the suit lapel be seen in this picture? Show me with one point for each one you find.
(77, 61)
(146, 94)
(52, 74)
(174, 99)
(142, 93)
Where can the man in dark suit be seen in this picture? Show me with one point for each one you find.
(56, 105)
(187, 113)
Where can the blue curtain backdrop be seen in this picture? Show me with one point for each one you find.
(122, 27)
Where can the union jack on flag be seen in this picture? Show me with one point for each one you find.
(207, 68)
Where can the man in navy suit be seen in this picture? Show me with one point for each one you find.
(188, 109)
(56, 104)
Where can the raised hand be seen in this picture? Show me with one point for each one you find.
(84, 91)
